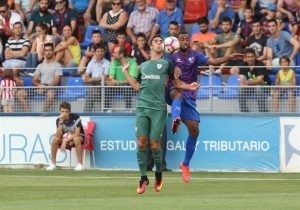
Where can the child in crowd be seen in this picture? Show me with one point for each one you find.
(245, 26)
(141, 50)
(285, 78)
(7, 90)
(121, 42)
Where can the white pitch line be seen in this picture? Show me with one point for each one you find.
(170, 178)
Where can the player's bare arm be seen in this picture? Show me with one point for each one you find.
(181, 85)
(217, 61)
(132, 82)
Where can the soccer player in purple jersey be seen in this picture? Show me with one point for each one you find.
(184, 102)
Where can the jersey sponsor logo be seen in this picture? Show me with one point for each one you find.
(150, 76)
(178, 60)
(159, 66)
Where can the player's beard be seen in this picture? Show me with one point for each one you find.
(184, 49)
(43, 11)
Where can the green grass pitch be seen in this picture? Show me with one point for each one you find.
(93, 189)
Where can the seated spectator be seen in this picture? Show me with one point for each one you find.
(141, 50)
(41, 15)
(224, 44)
(289, 9)
(121, 42)
(68, 52)
(47, 74)
(7, 20)
(171, 13)
(245, 26)
(204, 36)
(141, 20)
(7, 90)
(25, 8)
(279, 44)
(271, 14)
(116, 76)
(36, 54)
(173, 29)
(258, 41)
(215, 16)
(285, 78)
(16, 50)
(62, 17)
(97, 72)
(69, 133)
(90, 51)
(251, 75)
(113, 23)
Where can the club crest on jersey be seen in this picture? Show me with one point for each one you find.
(159, 66)
(191, 59)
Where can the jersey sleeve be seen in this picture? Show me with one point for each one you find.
(171, 69)
(202, 59)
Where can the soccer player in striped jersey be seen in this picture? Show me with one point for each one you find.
(151, 108)
(184, 102)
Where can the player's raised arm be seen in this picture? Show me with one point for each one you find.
(132, 82)
(184, 86)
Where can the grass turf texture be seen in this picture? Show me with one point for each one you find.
(90, 189)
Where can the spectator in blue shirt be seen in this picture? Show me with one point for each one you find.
(172, 13)
(84, 9)
(215, 15)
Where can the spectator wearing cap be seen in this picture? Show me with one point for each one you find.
(271, 14)
(279, 44)
(171, 13)
(215, 15)
(141, 20)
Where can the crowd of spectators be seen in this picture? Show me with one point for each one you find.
(270, 27)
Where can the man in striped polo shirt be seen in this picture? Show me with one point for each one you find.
(16, 49)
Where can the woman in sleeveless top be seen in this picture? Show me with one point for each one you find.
(68, 52)
(113, 22)
(285, 78)
(38, 43)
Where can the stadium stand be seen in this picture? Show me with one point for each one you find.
(194, 9)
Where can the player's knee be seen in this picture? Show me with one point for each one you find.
(55, 141)
(194, 131)
(155, 145)
(77, 140)
(176, 94)
(142, 144)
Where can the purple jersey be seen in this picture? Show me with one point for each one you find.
(188, 62)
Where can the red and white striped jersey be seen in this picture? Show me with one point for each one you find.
(7, 88)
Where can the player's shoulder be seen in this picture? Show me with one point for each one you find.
(74, 116)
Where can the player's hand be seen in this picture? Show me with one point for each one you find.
(195, 86)
(63, 146)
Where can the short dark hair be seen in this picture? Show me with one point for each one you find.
(65, 105)
(273, 20)
(123, 50)
(4, 4)
(155, 36)
(284, 58)
(96, 31)
(248, 7)
(121, 33)
(18, 23)
(99, 46)
(256, 20)
(141, 35)
(49, 44)
(227, 19)
(182, 33)
(249, 50)
(203, 20)
(174, 22)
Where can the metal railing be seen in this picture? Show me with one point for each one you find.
(217, 99)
